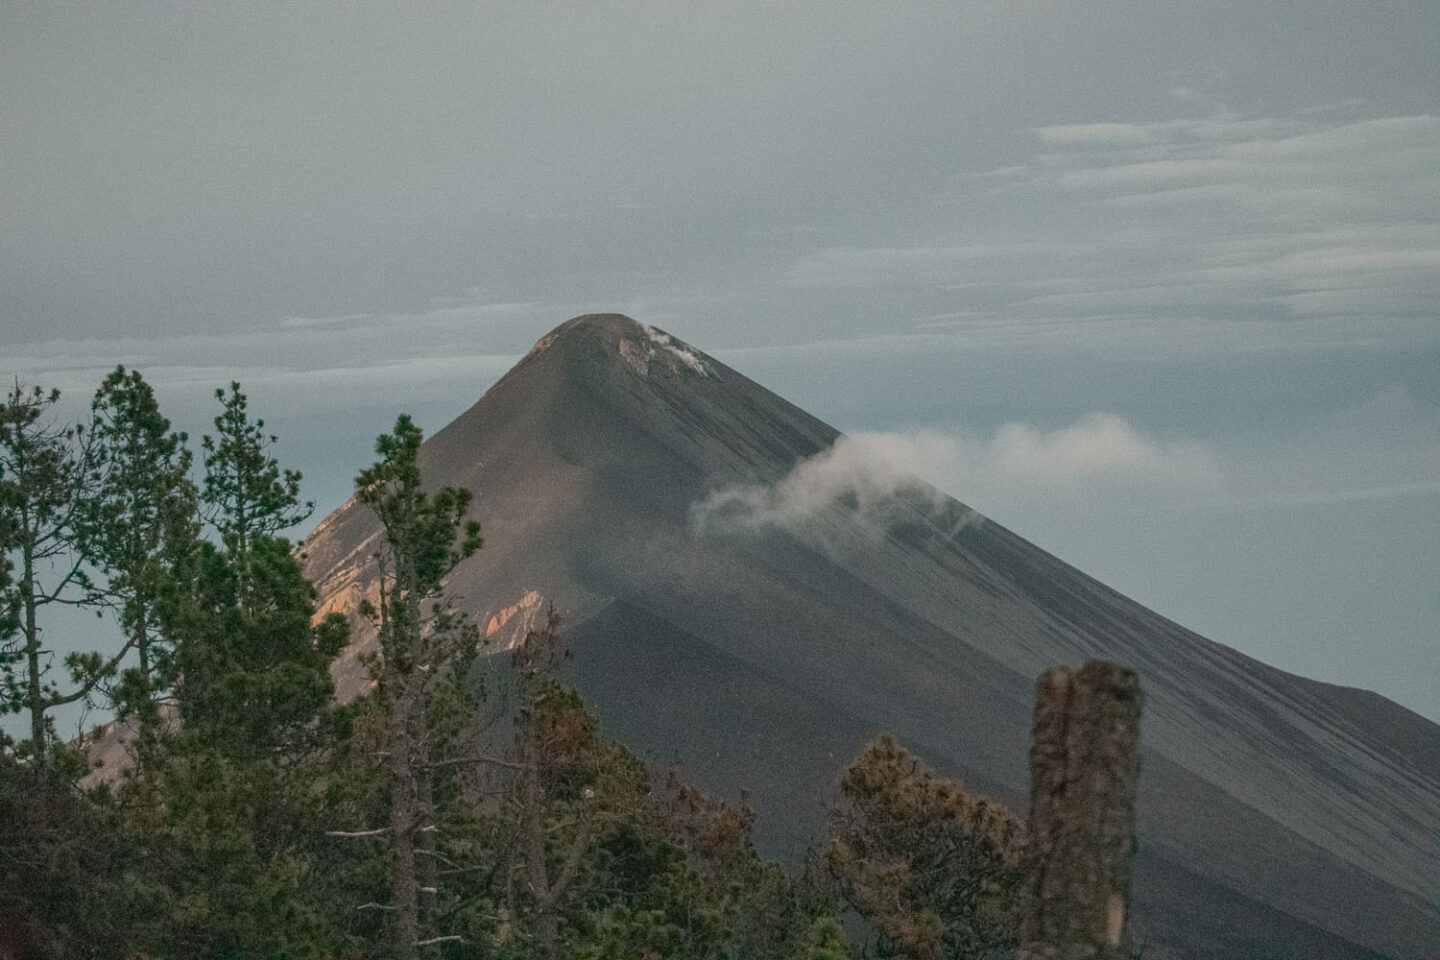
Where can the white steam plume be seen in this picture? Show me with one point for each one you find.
(883, 477)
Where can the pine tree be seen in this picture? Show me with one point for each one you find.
(57, 844)
(934, 870)
(229, 811)
(252, 671)
(48, 475)
(246, 495)
(141, 527)
(424, 646)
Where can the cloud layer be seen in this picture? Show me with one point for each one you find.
(1328, 224)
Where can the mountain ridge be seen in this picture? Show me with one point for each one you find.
(588, 459)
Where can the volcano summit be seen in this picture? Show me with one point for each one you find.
(631, 480)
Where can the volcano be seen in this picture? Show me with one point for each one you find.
(633, 481)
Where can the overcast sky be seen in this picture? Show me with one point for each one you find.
(1155, 285)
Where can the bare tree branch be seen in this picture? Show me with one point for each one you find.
(435, 854)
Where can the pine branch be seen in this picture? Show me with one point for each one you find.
(84, 689)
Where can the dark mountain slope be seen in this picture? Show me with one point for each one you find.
(1274, 810)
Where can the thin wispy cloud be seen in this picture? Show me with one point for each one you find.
(1389, 491)
(1214, 219)
(332, 346)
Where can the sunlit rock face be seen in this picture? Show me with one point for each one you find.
(1278, 816)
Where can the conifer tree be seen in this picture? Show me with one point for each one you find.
(48, 474)
(54, 846)
(252, 671)
(230, 811)
(934, 870)
(141, 527)
(246, 495)
(424, 646)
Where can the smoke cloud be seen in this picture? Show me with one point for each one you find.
(884, 477)
(858, 471)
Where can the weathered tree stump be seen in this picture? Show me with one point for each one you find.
(1084, 765)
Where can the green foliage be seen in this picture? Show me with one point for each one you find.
(10, 606)
(46, 857)
(246, 495)
(676, 875)
(427, 534)
(253, 673)
(227, 859)
(934, 870)
(425, 649)
(226, 807)
(48, 475)
(141, 527)
(426, 645)
(268, 821)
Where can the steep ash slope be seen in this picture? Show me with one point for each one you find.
(1279, 816)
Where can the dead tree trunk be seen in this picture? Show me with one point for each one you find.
(1084, 765)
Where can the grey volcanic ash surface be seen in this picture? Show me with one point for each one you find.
(630, 480)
